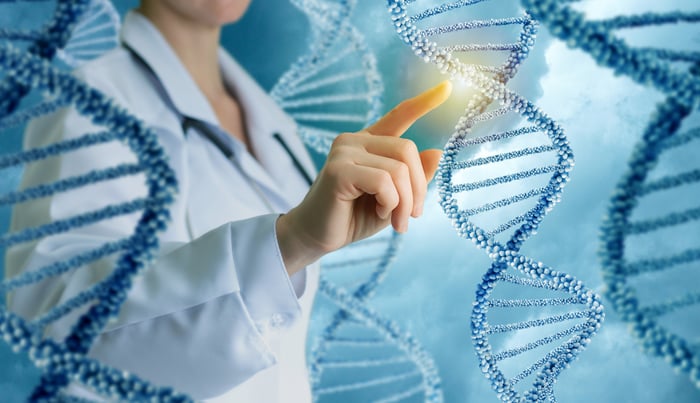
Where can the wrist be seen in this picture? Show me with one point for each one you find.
(296, 251)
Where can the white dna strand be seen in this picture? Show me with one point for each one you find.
(335, 86)
(647, 208)
(554, 311)
(24, 76)
(95, 32)
(359, 355)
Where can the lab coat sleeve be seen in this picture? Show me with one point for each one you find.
(197, 319)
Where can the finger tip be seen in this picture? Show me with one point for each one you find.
(444, 89)
(382, 212)
(447, 85)
(438, 94)
(399, 224)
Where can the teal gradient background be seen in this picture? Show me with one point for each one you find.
(430, 289)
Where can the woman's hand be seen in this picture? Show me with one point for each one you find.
(371, 178)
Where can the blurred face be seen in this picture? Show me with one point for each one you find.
(207, 12)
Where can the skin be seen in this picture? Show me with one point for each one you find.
(371, 179)
(193, 30)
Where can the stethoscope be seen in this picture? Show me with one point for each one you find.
(187, 122)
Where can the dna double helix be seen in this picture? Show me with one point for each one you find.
(31, 87)
(658, 67)
(558, 314)
(651, 203)
(335, 86)
(95, 31)
(656, 317)
(359, 355)
(94, 34)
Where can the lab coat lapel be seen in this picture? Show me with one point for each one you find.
(264, 119)
(145, 39)
(263, 116)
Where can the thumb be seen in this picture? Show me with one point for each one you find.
(430, 160)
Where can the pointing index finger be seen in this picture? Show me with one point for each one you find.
(399, 119)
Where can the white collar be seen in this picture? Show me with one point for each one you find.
(145, 39)
(263, 116)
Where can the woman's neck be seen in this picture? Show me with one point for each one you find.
(196, 44)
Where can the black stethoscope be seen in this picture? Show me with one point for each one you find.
(187, 122)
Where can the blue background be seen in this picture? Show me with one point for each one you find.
(429, 292)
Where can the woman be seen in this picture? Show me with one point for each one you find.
(223, 311)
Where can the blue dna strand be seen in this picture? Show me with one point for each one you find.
(602, 40)
(359, 355)
(335, 86)
(650, 180)
(554, 311)
(655, 290)
(65, 360)
(43, 42)
(94, 31)
(94, 34)
(24, 75)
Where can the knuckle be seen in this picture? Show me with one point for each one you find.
(385, 178)
(386, 181)
(404, 105)
(334, 168)
(342, 139)
(339, 151)
(407, 148)
(400, 170)
(396, 110)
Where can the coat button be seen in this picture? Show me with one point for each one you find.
(277, 320)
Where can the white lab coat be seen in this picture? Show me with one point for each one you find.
(216, 316)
